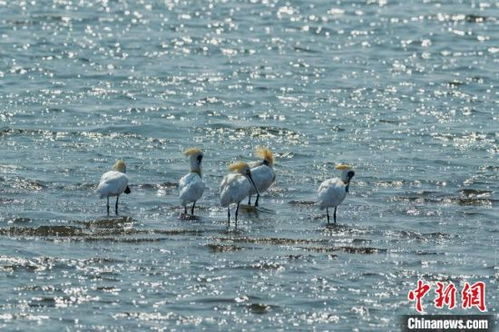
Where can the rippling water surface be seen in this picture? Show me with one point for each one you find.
(406, 91)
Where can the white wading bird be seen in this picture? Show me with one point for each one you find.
(114, 183)
(236, 186)
(191, 186)
(333, 191)
(262, 173)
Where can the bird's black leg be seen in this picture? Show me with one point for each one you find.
(185, 209)
(116, 206)
(335, 214)
(237, 212)
(249, 200)
(107, 205)
(228, 216)
(327, 214)
(192, 210)
(257, 198)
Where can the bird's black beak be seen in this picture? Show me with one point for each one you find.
(350, 175)
(253, 183)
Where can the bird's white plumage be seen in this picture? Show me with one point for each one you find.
(234, 188)
(331, 193)
(191, 185)
(263, 176)
(112, 183)
(191, 188)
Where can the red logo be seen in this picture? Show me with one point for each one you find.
(418, 294)
(446, 295)
(471, 295)
(474, 296)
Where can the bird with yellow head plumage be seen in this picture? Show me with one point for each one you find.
(332, 192)
(191, 185)
(236, 186)
(262, 172)
(114, 183)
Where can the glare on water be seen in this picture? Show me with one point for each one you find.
(405, 91)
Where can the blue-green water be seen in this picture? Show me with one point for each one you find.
(406, 91)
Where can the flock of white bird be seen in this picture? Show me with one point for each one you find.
(245, 180)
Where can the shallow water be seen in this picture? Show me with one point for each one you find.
(406, 91)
